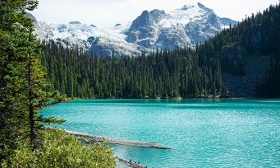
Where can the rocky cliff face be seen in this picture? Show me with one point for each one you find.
(184, 27)
(178, 28)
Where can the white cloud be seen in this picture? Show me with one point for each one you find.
(104, 13)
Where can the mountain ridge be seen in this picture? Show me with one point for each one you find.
(156, 29)
(242, 61)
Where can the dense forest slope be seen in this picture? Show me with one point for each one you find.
(241, 61)
(167, 74)
(249, 55)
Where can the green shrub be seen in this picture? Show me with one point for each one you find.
(59, 150)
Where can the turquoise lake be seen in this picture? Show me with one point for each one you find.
(201, 133)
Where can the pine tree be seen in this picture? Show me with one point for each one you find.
(22, 76)
(12, 59)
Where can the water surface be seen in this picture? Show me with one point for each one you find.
(201, 133)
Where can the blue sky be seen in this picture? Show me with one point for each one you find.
(107, 13)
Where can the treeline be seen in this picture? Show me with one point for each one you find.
(180, 73)
(165, 74)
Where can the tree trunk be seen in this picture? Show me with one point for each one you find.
(31, 109)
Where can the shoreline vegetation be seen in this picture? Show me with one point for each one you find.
(160, 98)
(87, 138)
(59, 149)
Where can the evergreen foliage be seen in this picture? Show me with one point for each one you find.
(22, 76)
(256, 36)
(14, 43)
(23, 89)
(168, 74)
(165, 74)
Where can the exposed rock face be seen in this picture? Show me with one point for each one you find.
(144, 30)
(184, 27)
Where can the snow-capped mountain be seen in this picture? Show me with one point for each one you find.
(89, 37)
(160, 29)
(178, 28)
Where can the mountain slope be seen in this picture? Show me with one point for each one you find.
(88, 37)
(249, 54)
(241, 61)
(182, 27)
(188, 25)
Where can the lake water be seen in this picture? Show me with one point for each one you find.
(201, 133)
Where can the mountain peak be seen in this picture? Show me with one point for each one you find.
(181, 27)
